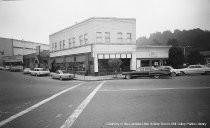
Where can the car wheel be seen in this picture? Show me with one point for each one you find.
(156, 76)
(127, 76)
(206, 72)
(61, 78)
(182, 73)
(173, 74)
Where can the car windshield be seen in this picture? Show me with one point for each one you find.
(64, 71)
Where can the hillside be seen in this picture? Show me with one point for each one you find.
(197, 39)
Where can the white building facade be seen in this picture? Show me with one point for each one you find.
(87, 46)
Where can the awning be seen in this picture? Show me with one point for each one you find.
(9, 61)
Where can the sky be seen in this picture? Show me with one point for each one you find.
(35, 20)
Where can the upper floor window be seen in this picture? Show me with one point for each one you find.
(86, 38)
(52, 46)
(128, 38)
(73, 41)
(70, 43)
(60, 45)
(119, 37)
(55, 46)
(98, 36)
(107, 37)
(81, 39)
(63, 44)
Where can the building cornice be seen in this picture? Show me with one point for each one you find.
(154, 46)
(92, 19)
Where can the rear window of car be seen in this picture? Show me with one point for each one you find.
(64, 71)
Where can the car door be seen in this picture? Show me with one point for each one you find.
(195, 69)
(57, 74)
(199, 69)
(190, 70)
(33, 73)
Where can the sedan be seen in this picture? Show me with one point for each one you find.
(195, 69)
(27, 71)
(174, 72)
(1, 68)
(61, 74)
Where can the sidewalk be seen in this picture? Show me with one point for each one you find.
(97, 78)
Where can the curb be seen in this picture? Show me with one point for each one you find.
(98, 79)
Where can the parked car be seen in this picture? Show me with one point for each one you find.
(27, 71)
(195, 69)
(174, 72)
(61, 74)
(16, 68)
(147, 72)
(39, 72)
(7, 68)
(1, 68)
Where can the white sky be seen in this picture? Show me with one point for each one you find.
(35, 20)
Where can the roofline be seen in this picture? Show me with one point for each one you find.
(89, 19)
(155, 46)
(24, 41)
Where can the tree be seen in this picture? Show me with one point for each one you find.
(173, 42)
(194, 57)
(115, 64)
(176, 56)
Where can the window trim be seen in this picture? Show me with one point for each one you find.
(107, 37)
(70, 42)
(73, 41)
(55, 46)
(86, 38)
(98, 37)
(60, 45)
(81, 39)
(63, 44)
(120, 37)
(129, 37)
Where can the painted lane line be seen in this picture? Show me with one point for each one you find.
(36, 105)
(72, 118)
(153, 89)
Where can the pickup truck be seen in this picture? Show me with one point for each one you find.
(147, 72)
(39, 72)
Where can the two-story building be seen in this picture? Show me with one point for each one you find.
(88, 45)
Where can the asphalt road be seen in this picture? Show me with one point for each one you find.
(40, 102)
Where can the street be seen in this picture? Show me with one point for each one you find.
(41, 102)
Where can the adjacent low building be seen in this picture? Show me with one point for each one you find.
(87, 46)
(13, 50)
(206, 55)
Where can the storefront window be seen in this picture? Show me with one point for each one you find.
(145, 63)
(76, 66)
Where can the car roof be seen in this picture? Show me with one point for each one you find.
(196, 65)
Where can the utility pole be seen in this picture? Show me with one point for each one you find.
(184, 48)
